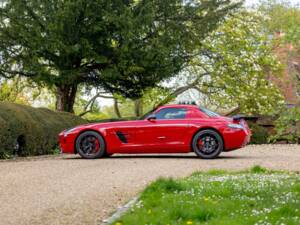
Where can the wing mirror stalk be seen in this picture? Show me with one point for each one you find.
(151, 118)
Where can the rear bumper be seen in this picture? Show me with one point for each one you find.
(246, 140)
(236, 138)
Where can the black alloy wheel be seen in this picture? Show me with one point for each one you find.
(90, 145)
(207, 144)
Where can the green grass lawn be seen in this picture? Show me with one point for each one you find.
(257, 196)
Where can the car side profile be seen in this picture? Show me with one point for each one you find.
(177, 128)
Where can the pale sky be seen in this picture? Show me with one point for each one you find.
(253, 2)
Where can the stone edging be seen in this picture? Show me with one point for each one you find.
(120, 211)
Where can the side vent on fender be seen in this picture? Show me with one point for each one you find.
(121, 136)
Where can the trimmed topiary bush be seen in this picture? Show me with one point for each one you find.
(260, 134)
(31, 131)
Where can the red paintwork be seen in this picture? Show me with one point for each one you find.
(143, 135)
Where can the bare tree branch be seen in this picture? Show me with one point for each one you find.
(89, 106)
(13, 73)
(180, 90)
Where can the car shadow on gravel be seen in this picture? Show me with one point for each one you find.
(175, 157)
(222, 157)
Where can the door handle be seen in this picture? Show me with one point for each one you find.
(161, 137)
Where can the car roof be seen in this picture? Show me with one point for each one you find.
(179, 106)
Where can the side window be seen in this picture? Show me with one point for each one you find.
(171, 113)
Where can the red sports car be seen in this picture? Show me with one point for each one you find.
(168, 129)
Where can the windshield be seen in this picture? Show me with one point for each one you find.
(147, 114)
(208, 112)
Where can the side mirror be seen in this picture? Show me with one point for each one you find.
(152, 117)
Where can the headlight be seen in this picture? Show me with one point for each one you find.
(69, 131)
(235, 126)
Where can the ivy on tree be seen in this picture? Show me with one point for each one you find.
(124, 46)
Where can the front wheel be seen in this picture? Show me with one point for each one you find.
(107, 155)
(207, 144)
(90, 145)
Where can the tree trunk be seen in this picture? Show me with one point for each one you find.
(65, 97)
(138, 107)
(116, 108)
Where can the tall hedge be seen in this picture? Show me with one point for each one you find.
(35, 130)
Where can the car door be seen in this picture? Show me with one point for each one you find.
(166, 133)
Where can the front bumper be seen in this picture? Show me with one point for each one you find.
(66, 143)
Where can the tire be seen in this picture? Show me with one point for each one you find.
(90, 145)
(207, 144)
(107, 155)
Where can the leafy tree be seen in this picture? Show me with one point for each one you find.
(284, 17)
(12, 91)
(150, 99)
(240, 61)
(123, 46)
(233, 67)
(124, 107)
(20, 90)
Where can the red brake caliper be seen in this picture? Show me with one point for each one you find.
(97, 145)
(200, 143)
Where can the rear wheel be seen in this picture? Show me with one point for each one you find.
(207, 144)
(90, 145)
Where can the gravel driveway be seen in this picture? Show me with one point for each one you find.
(69, 190)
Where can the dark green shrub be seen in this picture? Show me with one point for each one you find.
(35, 129)
(287, 126)
(260, 134)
